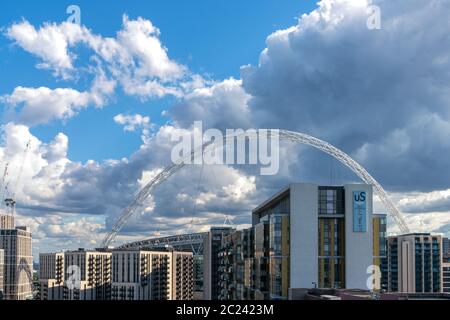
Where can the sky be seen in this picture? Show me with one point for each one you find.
(214, 38)
(101, 100)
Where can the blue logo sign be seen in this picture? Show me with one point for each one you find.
(359, 211)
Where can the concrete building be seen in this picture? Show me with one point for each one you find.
(182, 242)
(125, 274)
(18, 260)
(92, 269)
(446, 277)
(211, 247)
(2, 270)
(236, 266)
(51, 276)
(261, 261)
(380, 247)
(6, 221)
(317, 236)
(414, 263)
(182, 276)
(152, 275)
(446, 249)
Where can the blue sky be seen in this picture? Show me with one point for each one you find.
(212, 38)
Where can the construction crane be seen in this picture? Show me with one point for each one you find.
(5, 175)
(10, 201)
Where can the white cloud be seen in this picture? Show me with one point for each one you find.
(54, 191)
(241, 188)
(425, 202)
(221, 105)
(135, 58)
(380, 95)
(132, 121)
(33, 106)
(50, 43)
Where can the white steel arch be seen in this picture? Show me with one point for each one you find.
(284, 135)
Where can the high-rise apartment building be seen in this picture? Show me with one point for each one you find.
(211, 249)
(313, 236)
(414, 263)
(261, 261)
(152, 275)
(236, 266)
(51, 276)
(18, 260)
(93, 271)
(2, 270)
(6, 221)
(127, 274)
(446, 249)
(446, 277)
(182, 276)
(380, 247)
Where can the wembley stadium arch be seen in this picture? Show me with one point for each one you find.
(284, 135)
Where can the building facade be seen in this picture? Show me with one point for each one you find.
(446, 249)
(446, 277)
(16, 243)
(182, 242)
(152, 275)
(183, 274)
(380, 248)
(51, 276)
(236, 266)
(6, 221)
(2, 270)
(211, 248)
(414, 263)
(87, 275)
(126, 274)
(261, 261)
(318, 236)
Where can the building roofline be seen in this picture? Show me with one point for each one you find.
(277, 195)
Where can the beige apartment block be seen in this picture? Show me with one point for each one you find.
(6, 221)
(18, 261)
(152, 275)
(92, 269)
(182, 276)
(51, 276)
(415, 263)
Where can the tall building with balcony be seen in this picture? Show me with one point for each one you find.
(236, 266)
(313, 236)
(211, 248)
(414, 263)
(182, 276)
(2, 270)
(446, 277)
(446, 249)
(380, 247)
(261, 260)
(152, 275)
(92, 269)
(51, 276)
(6, 221)
(18, 260)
